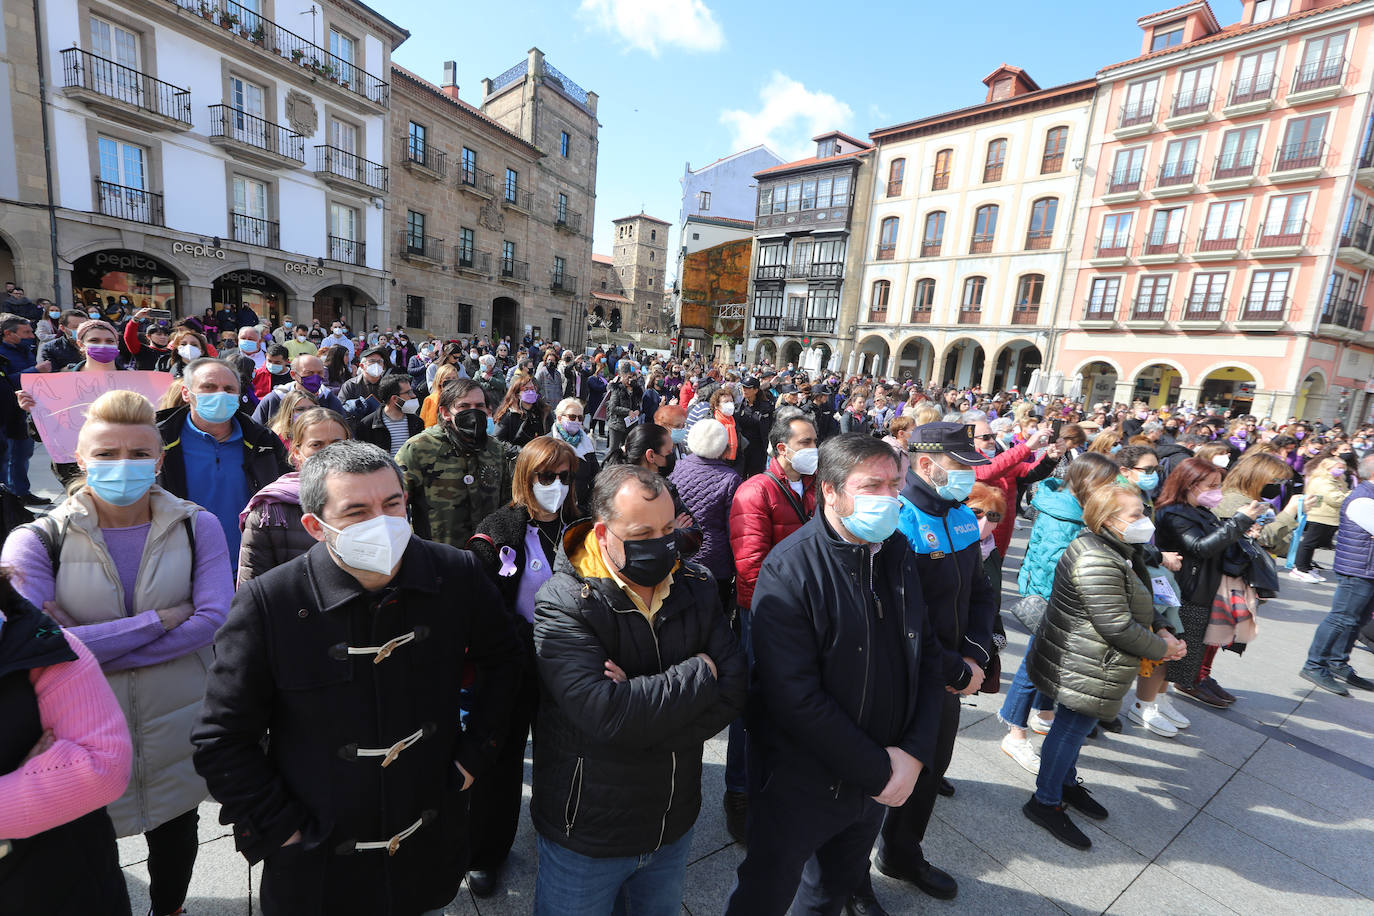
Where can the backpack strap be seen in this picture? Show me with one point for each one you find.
(51, 538)
(790, 495)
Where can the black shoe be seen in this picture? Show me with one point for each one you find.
(1110, 725)
(736, 806)
(1216, 688)
(1326, 681)
(33, 499)
(1053, 819)
(933, 881)
(482, 881)
(862, 904)
(1354, 680)
(1095, 732)
(1078, 797)
(946, 787)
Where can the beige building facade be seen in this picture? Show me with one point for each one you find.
(640, 259)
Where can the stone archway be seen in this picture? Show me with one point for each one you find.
(872, 356)
(791, 354)
(915, 360)
(1229, 388)
(962, 366)
(1158, 383)
(766, 352)
(1099, 382)
(1014, 365)
(1311, 395)
(505, 318)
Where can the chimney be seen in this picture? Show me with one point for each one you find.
(450, 85)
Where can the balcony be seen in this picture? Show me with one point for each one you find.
(562, 283)
(1051, 163)
(992, 172)
(133, 204)
(1234, 170)
(241, 25)
(820, 326)
(1135, 120)
(1354, 246)
(255, 140)
(124, 94)
(1365, 173)
(1123, 185)
(798, 271)
(1344, 320)
(347, 251)
(1190, 108)
(1026, 314)
(1298, 161)
(349, 172)
(252, 230)
(1316, 81)
(1250, 94)
(770, 272)
(1149, 312)
(1203, 312)
(1039, 239)
(1223, 246)
(1176, 178)
(894, 188)
(877, 314)
(930, 249)
(767, 323)
(1111, 253)
(476, 181)
(1262, 313)
(471, 260)
(1280, 239)
(939, 181)
(822, 270)
(424, 160)
(1161, 246)
(515, 198)
(424, 249)
(793, 324)
(567, 220)
(1099, 313)
(980, 244)
(920, 314)
(517, 271)
(972, 315)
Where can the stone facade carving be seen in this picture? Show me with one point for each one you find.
(491, 217)
(301, 113)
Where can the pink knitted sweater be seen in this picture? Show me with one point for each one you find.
(88, 765)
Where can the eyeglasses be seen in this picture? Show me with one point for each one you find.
(1151, 467)
(574, 417)
(547, 477)
(993, 517)
(988, 436)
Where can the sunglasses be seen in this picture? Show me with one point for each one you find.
(546, 478)
(989, 436)
(993, 517)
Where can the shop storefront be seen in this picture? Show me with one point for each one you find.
(265, 296)
(116, 278)
(346, 302)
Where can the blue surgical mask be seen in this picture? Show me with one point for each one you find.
(874, 517)
(121, 483)
(248, 346)
(217, 406)
(680, 436)
(491, 426)
(957, 486)
(1148, 481)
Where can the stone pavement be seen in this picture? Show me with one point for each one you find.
(1264, 808)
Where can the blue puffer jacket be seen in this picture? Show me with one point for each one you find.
(1057, 523)
(707, 486)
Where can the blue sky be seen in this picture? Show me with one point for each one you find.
(694, 80)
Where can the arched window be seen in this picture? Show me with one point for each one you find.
(877, 308)
(1056, 142)
(1029, 289)
(984, 228)
(887, 239)
(997, 157)
(1041, 231)
(971, 305)
(895, 173)
(944, 160)
(923, 302)
(934, 234)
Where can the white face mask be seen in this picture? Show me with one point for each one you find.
(374, 370)
(375, 545)
(727, 408)
(1221, 461)
(411, 405)
(550, 496)
(804, 460)
(1139, 531)
(189, 352)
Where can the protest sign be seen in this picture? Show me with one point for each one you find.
(61, 399)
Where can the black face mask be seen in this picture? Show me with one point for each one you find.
(1271, 490)
(470, 428)
(649, 562)
(671, 463)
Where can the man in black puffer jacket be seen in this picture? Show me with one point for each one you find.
(638, 667)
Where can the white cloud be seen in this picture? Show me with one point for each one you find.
(787, 118)
(649, 25)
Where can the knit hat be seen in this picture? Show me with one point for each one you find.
(93, 324)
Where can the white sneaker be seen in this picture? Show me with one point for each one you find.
(1165, 704)
(1023, 752)
(1302, 576)
(1148, 715)
(1038, 725)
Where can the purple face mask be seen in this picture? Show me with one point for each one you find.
(312, 383)
(529, 396)
(102, 353)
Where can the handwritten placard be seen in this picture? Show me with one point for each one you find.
(61, 400)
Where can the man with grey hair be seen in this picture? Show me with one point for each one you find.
(357, 657)
(18, 346)
(307, 374)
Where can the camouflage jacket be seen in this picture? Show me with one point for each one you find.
(451, 491)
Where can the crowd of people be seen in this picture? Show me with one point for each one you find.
(335, 581)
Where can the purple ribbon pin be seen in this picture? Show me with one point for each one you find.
(507, 562)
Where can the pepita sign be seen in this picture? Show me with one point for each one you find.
(198, 251)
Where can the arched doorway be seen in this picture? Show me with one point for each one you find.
(1099, 383)
(1015, 364)
(1229, 388)
(264, 295)
(116, 278)
(963, 366)
(7, 259)
(1157, 384)
(1311, 397)
(915, 360)
(824, 355)
(767, 352)
(791, 354)
(343, 302)
(873, 352)
(505, 318)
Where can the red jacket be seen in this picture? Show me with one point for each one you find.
(760, 517)
(1003, 473)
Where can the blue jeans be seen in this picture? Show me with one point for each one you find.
(1059, 754)
(1336, 634)
(14, 464)
(737, 749)
(1022, 696)
(571, 884)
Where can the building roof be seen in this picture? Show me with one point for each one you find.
(602, 259)
(1230, 31)
(987, 110)
(1175, 10)
(1012, 71)
(843, 136)
(644, 216)
(471, 111)
(611, 297)
(743, 152)
(812, 162)
(402, 34)
(721, 221)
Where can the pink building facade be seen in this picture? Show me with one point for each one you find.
(1223, 243)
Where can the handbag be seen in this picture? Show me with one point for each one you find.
(1262, 574)
(1030, 611)
(1297, 534)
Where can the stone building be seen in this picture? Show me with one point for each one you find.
(641, 260)
(608, 304)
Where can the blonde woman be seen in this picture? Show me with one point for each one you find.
(142, 579)
(293, 404)
(429, 410)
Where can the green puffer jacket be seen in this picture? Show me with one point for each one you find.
(1099, 624)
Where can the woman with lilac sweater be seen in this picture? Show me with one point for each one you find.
(143, 579)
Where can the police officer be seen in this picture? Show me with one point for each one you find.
(457, 472)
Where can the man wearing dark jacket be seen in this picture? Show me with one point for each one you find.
(354, 657)
(963, 603)
(847, 689)
(390, 426)
(638, 668)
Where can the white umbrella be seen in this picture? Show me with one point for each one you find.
(1056, 388)
(1035, 386)
(1076, 387)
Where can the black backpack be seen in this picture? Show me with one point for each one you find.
(13, 513)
